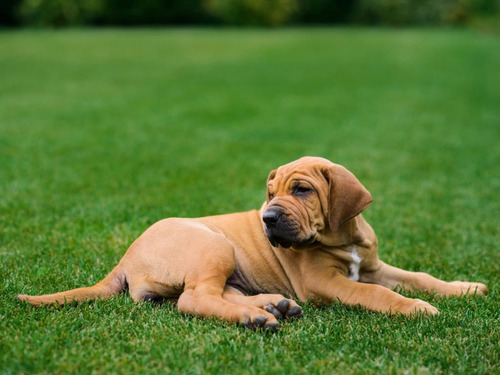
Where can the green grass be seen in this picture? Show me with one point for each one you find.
(104, 132)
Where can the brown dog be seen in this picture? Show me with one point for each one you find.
(322, 249)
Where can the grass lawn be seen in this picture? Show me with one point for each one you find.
(102, 133)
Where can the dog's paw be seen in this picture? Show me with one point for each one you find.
(415, 307)
(467, 288)
(260, 322)
(285, 309)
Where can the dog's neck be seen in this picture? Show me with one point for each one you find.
(349, 234)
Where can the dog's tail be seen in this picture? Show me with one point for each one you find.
(114, 283)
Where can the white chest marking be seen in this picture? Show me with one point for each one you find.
(354, 266)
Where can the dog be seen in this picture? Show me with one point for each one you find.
(308, 241)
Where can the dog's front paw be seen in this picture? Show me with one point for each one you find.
(260, 322)
(285, 309)
(416, 306)
(467, 288)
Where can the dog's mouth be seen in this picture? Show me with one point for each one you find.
(278, 241)
(285, 230)
(287, 243)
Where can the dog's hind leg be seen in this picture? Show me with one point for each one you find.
(196, 267)
(276, 304)
(205, 300)
(143, 291)
(204, 289)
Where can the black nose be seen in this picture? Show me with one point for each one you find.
(271, 217)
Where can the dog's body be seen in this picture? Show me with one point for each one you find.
(308, 241)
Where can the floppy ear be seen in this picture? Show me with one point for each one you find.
(271, 175)
(347, 197)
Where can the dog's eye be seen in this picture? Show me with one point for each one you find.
(302, 190)
(271, 196)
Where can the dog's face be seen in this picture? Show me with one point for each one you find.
(309, 199)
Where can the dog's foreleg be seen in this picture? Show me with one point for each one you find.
(370, 296)
(393, 277)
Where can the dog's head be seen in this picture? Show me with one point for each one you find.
(309, 199)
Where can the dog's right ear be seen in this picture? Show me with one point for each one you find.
(272, 175)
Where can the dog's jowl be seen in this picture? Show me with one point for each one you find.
(309, 241)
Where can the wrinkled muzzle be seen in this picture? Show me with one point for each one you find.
(282, 229)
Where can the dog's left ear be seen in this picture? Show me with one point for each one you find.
(347, 196)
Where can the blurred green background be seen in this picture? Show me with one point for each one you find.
(57, 13)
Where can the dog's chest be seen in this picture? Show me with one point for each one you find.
(354, 265)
